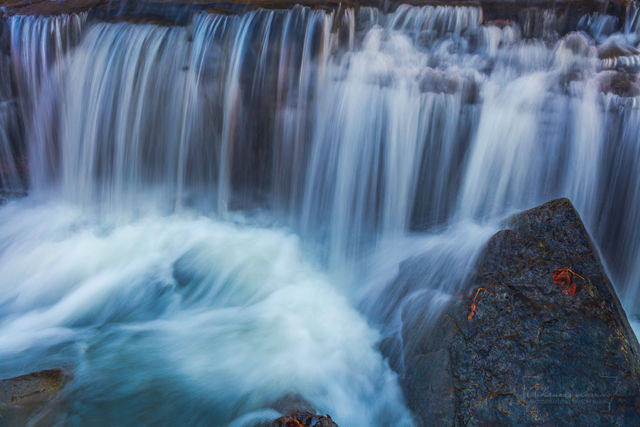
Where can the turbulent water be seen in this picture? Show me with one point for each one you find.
(216, 212)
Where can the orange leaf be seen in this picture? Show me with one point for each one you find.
(294, 422)
(564, 278)
(474, 307)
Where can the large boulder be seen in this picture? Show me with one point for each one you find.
(532, 351)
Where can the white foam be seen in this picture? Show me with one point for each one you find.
(237, 312)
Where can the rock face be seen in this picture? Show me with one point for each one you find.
(32, 398)
(529, 354)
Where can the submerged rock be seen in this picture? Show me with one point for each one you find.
(31, 398)
(304, 418)
(528, 353)
(619, 83)
(299, 412)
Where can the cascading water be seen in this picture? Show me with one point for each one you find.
(217, 211)
(37, 49)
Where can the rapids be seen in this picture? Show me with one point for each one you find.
(216, 212)
(183, 319)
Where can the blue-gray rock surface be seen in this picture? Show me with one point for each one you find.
(530, 354)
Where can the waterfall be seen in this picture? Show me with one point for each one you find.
(38, 46)
(221, 198)
(12, 156)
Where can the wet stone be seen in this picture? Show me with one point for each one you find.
(530, 354)
(32, 397)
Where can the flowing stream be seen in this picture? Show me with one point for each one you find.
(217, 212)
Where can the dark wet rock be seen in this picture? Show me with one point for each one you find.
(530, 354)
(31, 398)
(298, 412)
(430, 374)
(391, 349)
(620, 84)
(613, 50)
(304, 418)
